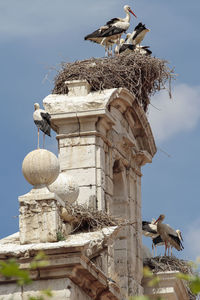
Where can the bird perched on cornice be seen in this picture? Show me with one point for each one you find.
(42, 120)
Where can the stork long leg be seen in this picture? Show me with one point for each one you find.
(38, 146)
(152, 249)
(165, 249)
(43, 139)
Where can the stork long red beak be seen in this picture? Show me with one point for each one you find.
(132, 13)
(156, 221)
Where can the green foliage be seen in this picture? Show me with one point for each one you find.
(148, 274)
(193, 281)
(39, 261)
(60, 236)
(11, 269)
(44, 293)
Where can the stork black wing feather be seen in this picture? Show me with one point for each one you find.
(112, 21)
(46, 117)
(177, 240)
(157, 240)
(112, 31)
(95, 34)
(125, 47)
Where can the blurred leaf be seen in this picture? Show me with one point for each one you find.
(147, 273)
(154, 281)
(183, 276)
(36, 298)
(195, 285)
(11, 269)
(39, 261)
(47, 293)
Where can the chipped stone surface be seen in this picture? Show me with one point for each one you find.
(169, 287)
(82, 240)
(104, 139)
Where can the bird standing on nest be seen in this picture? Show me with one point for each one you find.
(111, 32)
(138, 34)
(133, 40)
(168, 234)
(42, 120)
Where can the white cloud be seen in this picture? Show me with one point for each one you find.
(192, 239)
(173, 116)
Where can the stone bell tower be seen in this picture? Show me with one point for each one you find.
(104, 139)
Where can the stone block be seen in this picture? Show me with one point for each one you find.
(109, 186)
(77, 157)
(88, 195)
(121, 244)
(77, 141)
(39, 227)
(101, 178)
(84, 177)
(68, 127)
(100, 198)
(100, 158)
(109, 203)
(88, 124)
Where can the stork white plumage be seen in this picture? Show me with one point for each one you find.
(138, 34)
(149, 229)
(112, 30)
(157, 241)
(133, 40)
(168, 234)
(42, 120)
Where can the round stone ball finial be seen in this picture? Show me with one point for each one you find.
(65, 187)
(40, 167)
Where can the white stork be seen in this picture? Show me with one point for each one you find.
(138, 34)
(144, 50)
(133, 40)
(149, 229)
(168, 234)
(112, 30)
(42, 119)
(157, 241)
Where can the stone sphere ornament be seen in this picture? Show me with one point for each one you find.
(40, 167)
(65, 187)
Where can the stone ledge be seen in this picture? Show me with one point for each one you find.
(169, 287)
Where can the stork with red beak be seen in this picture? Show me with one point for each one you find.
(168, 235)
(112, 30)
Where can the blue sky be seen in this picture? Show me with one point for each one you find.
(36, 36)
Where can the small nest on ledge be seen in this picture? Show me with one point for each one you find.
(141, 75)
(89, 219)
(170, 263)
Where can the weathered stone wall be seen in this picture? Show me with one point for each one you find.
(104, 138)
(62, 289)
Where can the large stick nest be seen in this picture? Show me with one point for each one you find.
(141, 75)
